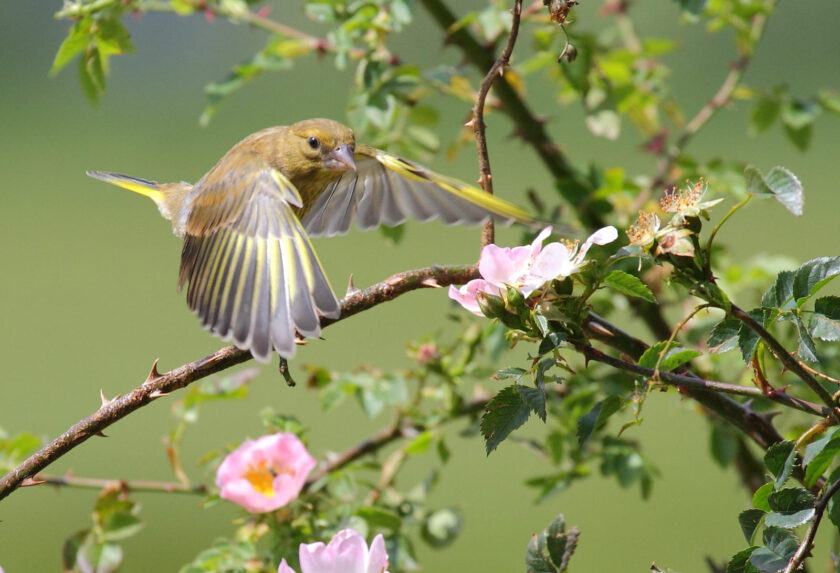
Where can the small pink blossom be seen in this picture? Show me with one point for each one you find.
(265, 474)
(525, 268)
(347, 552)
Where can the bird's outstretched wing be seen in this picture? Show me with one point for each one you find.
(251, 273)
(386, 189)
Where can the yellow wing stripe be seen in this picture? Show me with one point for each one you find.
(148, 189)
(465, 192)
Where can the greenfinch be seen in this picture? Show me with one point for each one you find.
(250, 271)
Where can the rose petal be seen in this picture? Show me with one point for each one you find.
(503, 266)
(378, 557)
(284, 568)
(600, 237)
(466, 295)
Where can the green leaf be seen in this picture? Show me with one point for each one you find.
(724, 336)
(535, 399)
(512, 373)
(814, 275)
(740, 562)
(724, 444)
(692, 6)
(629, 285)
(798, 118)
(780, 295)
(779, 183)
(536, 560)
(749, 519)
(764, 114)
(780, 545)
(829, 100)
(747, 339)
(505, 412)
(822, 455)
(779, 459)
(759, 499)
(825, 322)
(596, 417)
(561, 544)
(379, 517)
(807, 349)
(393, 234)
(442, 527)
(674, 357)
(792, 507)
(420, 444)
(74, 44)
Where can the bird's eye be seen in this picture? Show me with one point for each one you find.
(313, 142)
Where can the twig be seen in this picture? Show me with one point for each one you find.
(157, 385)
(496, 71)
(790, 362)
(130, 485)
(701, 384)
(805, 547)
(571, 184)
(720, 99)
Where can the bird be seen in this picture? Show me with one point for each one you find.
(250, 271)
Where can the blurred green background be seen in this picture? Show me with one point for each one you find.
(88, 283)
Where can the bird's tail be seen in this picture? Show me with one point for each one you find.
(144, 187)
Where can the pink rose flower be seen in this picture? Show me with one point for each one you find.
(525, 268)
(347, 552)
(265, 474)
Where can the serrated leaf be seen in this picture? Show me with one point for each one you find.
(724, 336)
(791, 500)
(747, 339)
(780, 295)
(740, 562)
(779, 459)
(825, 322)
(780, 545)
(789, 520)
(535, 399)
(629, 285)
(814, 275)
(807, 349)
(505, 412)
(596, 417)
(536, 560)
(827, 450)
(780, 183)
(759, 498)
(749, 519)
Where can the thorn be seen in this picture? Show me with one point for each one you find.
(470, 124)
(431, 283)
(101, 434)
(104, 401)
(29, 482)
(155, 394)
(153, 373)
(501, 71)
(351, 288)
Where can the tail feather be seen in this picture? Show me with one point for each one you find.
(144, 187)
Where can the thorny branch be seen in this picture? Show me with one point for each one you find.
(496, 71)
(157, 385)
(69, 480)
(804, 549)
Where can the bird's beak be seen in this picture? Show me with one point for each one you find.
(341, 158)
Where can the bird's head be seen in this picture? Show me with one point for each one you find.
(325, 145)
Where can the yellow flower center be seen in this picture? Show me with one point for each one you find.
(261, 477)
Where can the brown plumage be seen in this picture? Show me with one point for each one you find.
(249, 269)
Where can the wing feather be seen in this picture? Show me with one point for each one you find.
(252, 275)
(386, 189)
